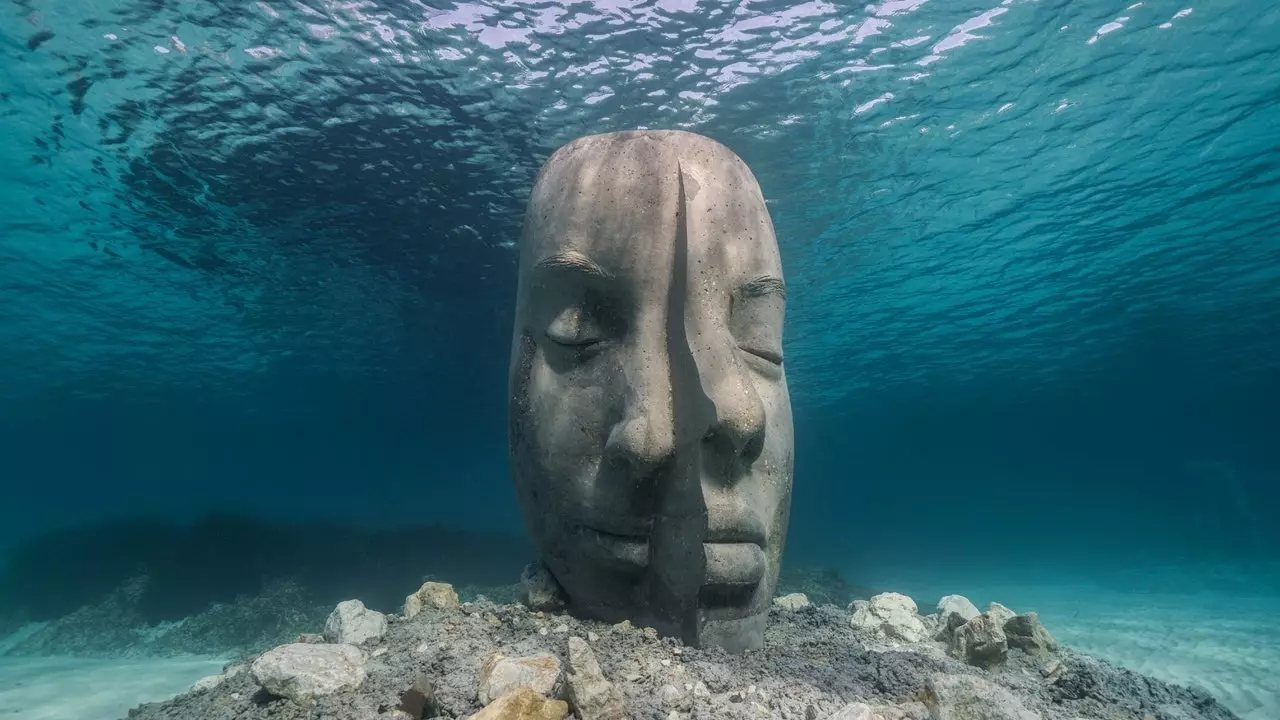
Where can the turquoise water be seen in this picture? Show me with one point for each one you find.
(259, 259)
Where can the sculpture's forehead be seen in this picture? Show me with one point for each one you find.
(616, 199)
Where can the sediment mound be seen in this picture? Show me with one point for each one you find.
(878, 659)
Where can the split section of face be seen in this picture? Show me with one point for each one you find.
(650, 426)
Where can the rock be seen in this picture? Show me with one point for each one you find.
(303, 672)
(673, 697)
(435, 595)
(208, 682)
(863, 711)
(352, 623)
(541, 591)
(312, 638)
(591, 696)
(980, 642)
(1001, 613)
(968, 697)
(792, 603)
(1026, 633)
(892, 614)
(501, 674)
(523, 704)
(419, 701)
(954, 611)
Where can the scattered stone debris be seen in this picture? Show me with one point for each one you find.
(877, 660)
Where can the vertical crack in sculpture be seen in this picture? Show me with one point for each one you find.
(678, 558)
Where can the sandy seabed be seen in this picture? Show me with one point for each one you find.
(55, 688)
(1211, 626)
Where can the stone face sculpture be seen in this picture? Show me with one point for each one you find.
(650, 425)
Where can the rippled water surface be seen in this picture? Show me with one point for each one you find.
(970, 193)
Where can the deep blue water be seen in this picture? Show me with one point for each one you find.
(259, 257)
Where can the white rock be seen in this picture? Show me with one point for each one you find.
(891, 614)
(500, 675)
(955, 610)
(1000, 613)
(792, 603)
(353, 623)
(968, 697)
(303, 672)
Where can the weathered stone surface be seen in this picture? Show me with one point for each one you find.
(500, 675)
(523, 704)
(968, 697)
(353, 623)
(609, 457)
(1028, 634)
(303, 672)
(954, 611)
(980, 642)
(435, 595)
(541, 591)
(419, 700)
(591, 695)
(1000, 613)
(863, 711)
(793, 602)
(891, 614)
(208, 682)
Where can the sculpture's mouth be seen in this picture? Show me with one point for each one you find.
(623, 552)
(733, 546)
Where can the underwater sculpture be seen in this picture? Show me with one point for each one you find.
(650, 423)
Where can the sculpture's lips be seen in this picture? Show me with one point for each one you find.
(734, 527)
(623, 551)
(734, 548)
(734, 565)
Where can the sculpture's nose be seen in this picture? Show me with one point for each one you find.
(644, 439)
(739, 424)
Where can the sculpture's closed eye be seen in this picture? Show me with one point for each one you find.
(574, 328)
(771, 356)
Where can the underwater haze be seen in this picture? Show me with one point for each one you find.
(258, 271)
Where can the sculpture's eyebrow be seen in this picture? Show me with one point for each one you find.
(574, 261)
(764, 285)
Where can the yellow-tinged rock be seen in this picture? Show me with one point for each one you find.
(523, 704)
